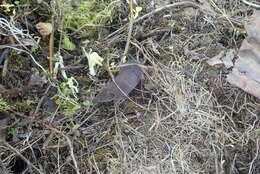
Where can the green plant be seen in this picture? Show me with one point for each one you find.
(11, 130)
(66, 96)
(87, 15)
(67, 44)
(23, 105)
(4, 106)
(23, 2)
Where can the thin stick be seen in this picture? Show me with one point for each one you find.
(70, 145)
(3, 169)
(131, 22)
(4, 71)
(41, 100)
(51, 43)
(21, 156)
(251, 4)
(177, 4)
(256, 156)
(7, 59)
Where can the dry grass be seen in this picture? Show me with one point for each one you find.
(194, 121)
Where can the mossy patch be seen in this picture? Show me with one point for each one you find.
(23, 106)
(87, 15)
(4, 106)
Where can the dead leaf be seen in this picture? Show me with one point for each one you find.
(224, 57)
(127, 79)
(246, 72)
(36, 80)
(216, 59)
(244, 82)
(44, 28)
(228, 58)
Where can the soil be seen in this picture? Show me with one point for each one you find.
(183, 117)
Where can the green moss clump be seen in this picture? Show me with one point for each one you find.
(23, 106)
(12, 130)
(69, 109)
(4, 106)
(93, 12)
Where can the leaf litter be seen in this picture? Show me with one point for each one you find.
(224, 57)
(185, 111)
(246, 72)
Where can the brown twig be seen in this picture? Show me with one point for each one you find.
(177, 4)
(48, 140)
(251, 4)
(3, 169)
(21, 156)
(51, 45)
(4, 71)
(70, 145)
(41, 100)
(131, 22)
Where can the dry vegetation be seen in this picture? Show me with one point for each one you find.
(185, 119)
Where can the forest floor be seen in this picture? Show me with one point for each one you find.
(183, 117)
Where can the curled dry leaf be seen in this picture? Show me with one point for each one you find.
(127, 79)
(216, 59)
(246, 72)
(44, 28)
(224, 57)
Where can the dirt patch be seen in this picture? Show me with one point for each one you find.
(183, 117)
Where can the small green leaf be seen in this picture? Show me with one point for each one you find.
(87, 103)
(86, 42)
(4, 106)
(67, 44)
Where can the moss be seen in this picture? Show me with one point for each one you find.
(4, 106)
(22, 106)
(96, 12)
(23, 2)
(69, 109)
(12, 130)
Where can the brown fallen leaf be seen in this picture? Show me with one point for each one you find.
(246, 72)
(127, 79)
(44, 28)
